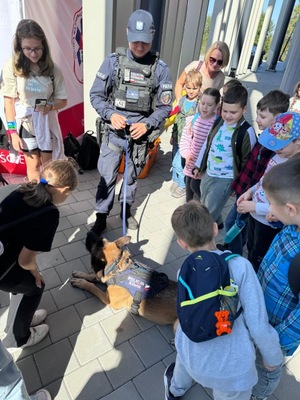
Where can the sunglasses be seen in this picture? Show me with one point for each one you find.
(213, 60)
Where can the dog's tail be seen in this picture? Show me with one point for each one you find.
(91, 239)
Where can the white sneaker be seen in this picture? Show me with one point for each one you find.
(38, 317)
(42, 394)
(37, 334)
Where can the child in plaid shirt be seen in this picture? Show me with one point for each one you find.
(282, 188)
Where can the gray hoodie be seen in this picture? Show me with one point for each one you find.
(229, 361)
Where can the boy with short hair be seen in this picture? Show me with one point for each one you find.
(225, 152)
(226, 363)
(268, 108)
(282, 188)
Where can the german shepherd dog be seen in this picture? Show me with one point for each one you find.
(110, 259)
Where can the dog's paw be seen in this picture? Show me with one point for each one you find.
(78, 274)
(79, 283)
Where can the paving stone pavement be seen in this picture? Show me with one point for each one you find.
(93, 352)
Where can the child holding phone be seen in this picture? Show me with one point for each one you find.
(33, 89)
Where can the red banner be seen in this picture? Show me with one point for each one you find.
(12, 164)
(62, 24)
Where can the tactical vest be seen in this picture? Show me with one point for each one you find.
(134, 84)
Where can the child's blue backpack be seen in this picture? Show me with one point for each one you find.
(207, 298)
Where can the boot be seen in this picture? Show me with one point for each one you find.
(100, 224)
(131, 222)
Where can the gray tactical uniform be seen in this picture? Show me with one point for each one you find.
(141, 90)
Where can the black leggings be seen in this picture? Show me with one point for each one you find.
(19, 280)
(259, 239)
(192, 188)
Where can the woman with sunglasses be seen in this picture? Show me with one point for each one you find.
(33, 89)
(216, 58)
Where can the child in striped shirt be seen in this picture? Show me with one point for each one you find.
(193, 137)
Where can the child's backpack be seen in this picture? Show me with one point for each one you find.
(207, 298)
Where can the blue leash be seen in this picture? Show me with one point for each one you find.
(125, 180)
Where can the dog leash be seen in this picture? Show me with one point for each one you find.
(125, 178)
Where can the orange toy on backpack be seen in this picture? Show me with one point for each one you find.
(222, 325)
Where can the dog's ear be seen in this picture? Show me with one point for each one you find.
(93, 240)
(122, 241)
(98, 259)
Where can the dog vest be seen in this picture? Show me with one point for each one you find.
(141, 282)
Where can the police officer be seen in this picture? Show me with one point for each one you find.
(132, 93)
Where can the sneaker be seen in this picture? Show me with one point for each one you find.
(167, 381)
(222, 246)
(179, 192)
(173, 187)
(39, 316)
(131, 222)
(42, 394)
(37, 335)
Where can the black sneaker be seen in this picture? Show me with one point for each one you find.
(167, 381)
(223, 246)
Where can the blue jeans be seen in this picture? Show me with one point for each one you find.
(12, 383)
(177, 170)
(267, 381)
(237, 244)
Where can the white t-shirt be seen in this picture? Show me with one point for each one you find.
(220, 157)
(27, 90)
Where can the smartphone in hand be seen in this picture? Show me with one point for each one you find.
(40, 103)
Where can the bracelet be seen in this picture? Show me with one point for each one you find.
(52, 105)
(11, 131)
(11, 125)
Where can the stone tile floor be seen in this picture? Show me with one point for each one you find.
(93, 352)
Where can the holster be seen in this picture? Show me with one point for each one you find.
(102, 131)
(152, 136)
(139, 152)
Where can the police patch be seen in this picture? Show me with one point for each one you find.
(167, 86)
(101, 75)
(166, 98)
(139, 26)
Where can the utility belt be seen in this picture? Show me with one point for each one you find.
(139, 148)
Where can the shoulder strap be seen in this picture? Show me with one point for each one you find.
(199, 65)
(52, 80)
(240, 137)
(294, 275)
(227, 258)
(121, 51)
(216, 123)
